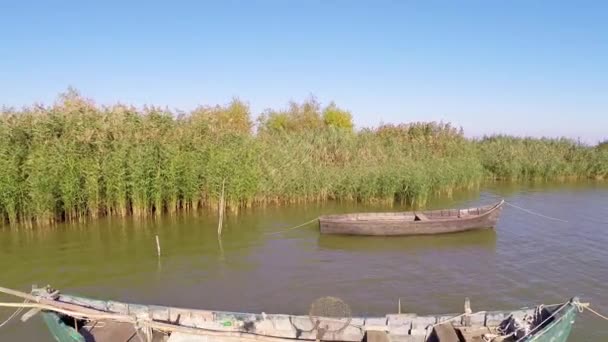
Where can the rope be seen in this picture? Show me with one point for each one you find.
(547, 217)
(554, 218)
(582, 306)
(535, 213)
(293, 228)
(18, 311)
(597, 313)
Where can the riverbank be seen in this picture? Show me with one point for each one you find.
(76, 160)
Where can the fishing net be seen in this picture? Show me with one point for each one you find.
(329, 314)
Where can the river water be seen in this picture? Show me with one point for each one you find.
(526, 260)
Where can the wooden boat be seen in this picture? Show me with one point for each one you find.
(412, 222)
(78, 319)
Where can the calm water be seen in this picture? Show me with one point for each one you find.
(526, 260)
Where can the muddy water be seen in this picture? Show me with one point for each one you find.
(525, 260)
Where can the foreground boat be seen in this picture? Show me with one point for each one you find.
(412, 222)
(77, 319)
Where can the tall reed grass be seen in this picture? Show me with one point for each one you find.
(75, 160)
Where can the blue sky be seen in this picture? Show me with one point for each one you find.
(519, 67)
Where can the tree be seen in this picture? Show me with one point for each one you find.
(333, 116)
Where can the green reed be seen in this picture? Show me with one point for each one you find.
(530, 158)
(75, 160)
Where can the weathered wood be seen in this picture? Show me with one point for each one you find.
(445, 332)
(218, 326)
(421, 217)
(411, 223)
(110, 331)
(377, 336)
(19, 294)
(467, 312)
(181, 337)
(29, 314)
(473, 334)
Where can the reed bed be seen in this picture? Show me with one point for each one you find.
(75, 160)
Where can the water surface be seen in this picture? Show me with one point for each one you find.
(525, 260)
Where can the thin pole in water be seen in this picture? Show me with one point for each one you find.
(221, 211)
(157, 246)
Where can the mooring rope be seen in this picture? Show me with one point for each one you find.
(553, 218)
(535, 213)
(18, 311)
(588, 307)
(544, 216)
(294, 228)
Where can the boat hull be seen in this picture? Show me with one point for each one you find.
(558, 330)
(395, 224)
(216, 326)
(60, 331)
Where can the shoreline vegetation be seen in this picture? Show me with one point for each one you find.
(75, 160)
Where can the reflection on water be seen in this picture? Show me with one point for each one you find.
(525, 260)
(481, 240)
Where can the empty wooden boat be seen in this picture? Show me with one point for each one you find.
(78, 319)
(412, 222)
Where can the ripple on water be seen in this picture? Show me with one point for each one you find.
(526, 260)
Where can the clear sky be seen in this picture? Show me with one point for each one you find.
(518, 67)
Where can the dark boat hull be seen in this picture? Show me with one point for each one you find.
(405, 223)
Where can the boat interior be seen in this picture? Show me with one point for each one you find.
(425, 215)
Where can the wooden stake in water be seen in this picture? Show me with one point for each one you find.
(157, 246)
(221, 211)
(467, 312)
